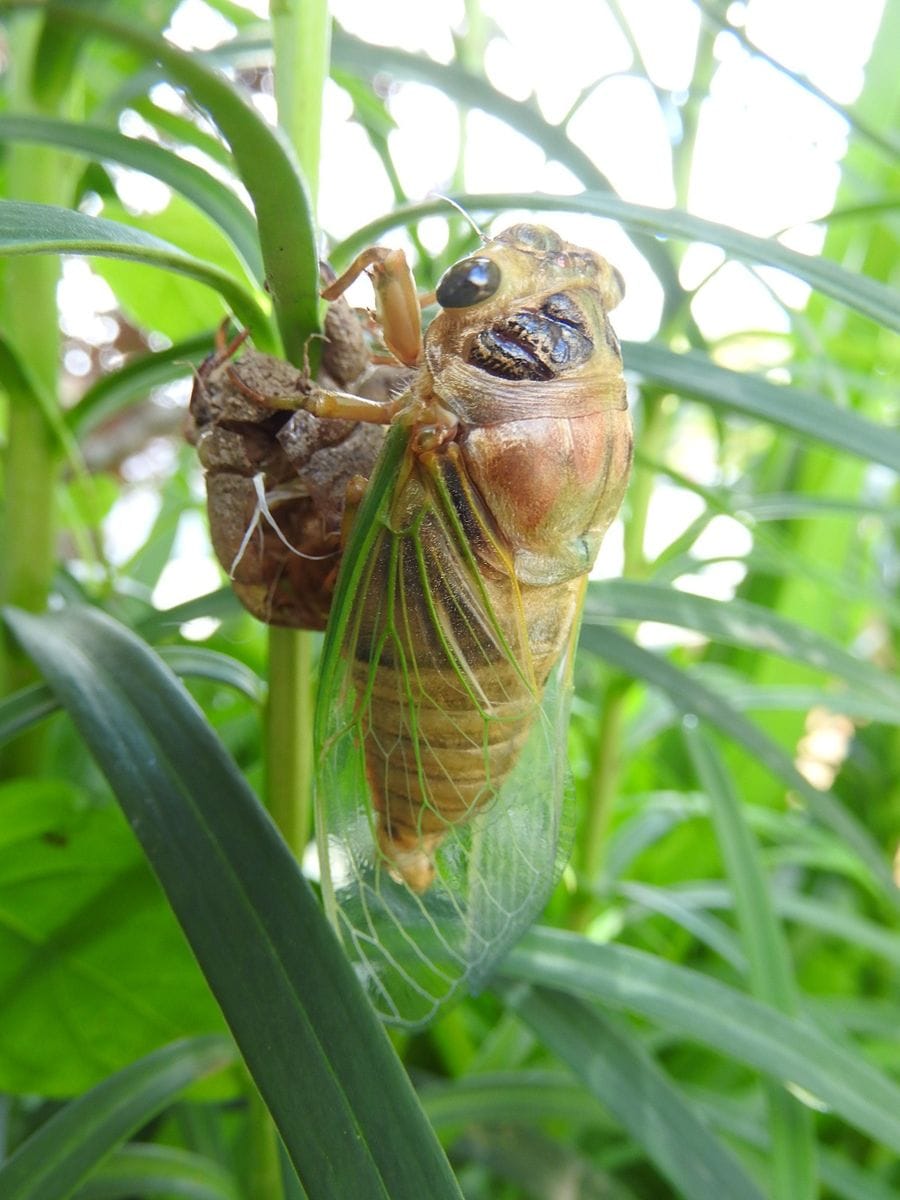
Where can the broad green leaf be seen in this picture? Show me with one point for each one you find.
(692, 697)
(866, 295)
(711, 1014)
(148, 1170)
(624, 1078)
(303, 1025)
(51, 1164)
(92, 974)
(770, 975)
(28, 228)
(219, 203)
(737, 623)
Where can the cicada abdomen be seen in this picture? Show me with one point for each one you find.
(441, 717)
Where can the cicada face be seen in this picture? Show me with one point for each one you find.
(441, 720)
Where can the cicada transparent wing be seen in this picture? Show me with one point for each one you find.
(441, 733)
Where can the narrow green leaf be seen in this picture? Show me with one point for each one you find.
(693, 374)
(303, 1025)
(33, 703)
(265, 162)
(219, 203)
(690, 696)
(524, 1096)
(222, 604)
(788, 506)
(201, 663)
(149, 1170)
(668, 903)
(866, 295)
(805, 910)
(790, 697)
(624, 1078)
(51, 1164)
(736, 623)
(708, 1012)
(111, 393)
(25, 708)
(27, 228)
(793, 1167)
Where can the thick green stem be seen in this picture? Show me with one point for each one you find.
(301, 35)
(607, 763)
(301, 39)
(289, 734)
(31, 329)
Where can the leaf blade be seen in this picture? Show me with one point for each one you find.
(295, 1008)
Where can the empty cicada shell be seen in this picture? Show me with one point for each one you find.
(277, 480)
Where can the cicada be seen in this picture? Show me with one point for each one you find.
(447, 661)
(277, 480)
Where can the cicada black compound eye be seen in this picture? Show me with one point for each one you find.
(468, 282)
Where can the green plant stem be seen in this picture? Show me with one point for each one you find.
(300, 38)
(607, 763)
(301, 35)
(605, 778)
(289, 734)
(301, 41)
(31, 326)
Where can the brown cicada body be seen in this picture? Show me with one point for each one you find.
(277, 479)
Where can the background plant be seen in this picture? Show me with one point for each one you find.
(710, 1006)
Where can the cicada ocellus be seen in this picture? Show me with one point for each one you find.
(445, 672)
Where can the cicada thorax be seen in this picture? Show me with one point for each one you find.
(277, 479)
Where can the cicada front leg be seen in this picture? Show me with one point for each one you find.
(396, 302)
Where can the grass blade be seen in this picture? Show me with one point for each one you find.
(51, 1164)
(706, 1011)
(219, 203)
(628, 1083)
(265, 162)
(793, 1166)
(864, 294)
(28, 228)
(693, 374)
(692, 697)
(737, 623)
(303, 1025)
(147, 1170)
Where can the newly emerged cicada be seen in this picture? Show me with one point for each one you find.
(445, 672)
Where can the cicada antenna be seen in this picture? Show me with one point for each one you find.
(462, 212)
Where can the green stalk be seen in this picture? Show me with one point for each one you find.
(300, 38)
(605, 775)
(301, 41)
(31, 328)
